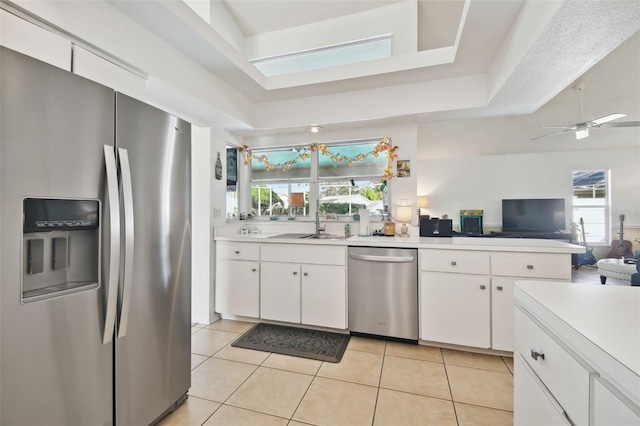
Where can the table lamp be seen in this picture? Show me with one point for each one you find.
(404, 216)
(423, 203)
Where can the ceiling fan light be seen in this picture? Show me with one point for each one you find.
(582, 133)
(608, 118)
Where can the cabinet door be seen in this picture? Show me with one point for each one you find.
(502, 305)
(237, 288)
(455, 308)
(280, 291)
(324, 296)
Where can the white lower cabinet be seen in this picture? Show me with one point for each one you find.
(280, 292)
(561, 376)
(307, 294)
(533, 404)
(466, 296)
(323, 299)
(455, 309)
(502, 313)
(238, 279)
(237, 288)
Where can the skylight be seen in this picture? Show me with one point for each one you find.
(327, 56)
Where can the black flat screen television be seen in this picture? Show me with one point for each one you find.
(533, 215)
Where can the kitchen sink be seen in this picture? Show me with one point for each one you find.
(325, 237)
(310, 236)
(291, 236)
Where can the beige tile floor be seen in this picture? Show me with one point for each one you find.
(376, 383)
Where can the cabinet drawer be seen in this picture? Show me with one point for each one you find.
(556, 266)
(454, 261)
(299, 253)
(563, 375)
(533, 405)
(238, 251)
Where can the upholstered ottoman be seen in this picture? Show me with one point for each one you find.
(615, 268)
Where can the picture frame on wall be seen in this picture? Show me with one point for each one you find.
(403, 168)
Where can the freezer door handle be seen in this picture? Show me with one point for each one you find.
(114, 243)
(127, 202)
(387, 259)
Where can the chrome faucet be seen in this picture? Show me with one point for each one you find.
(318, 227)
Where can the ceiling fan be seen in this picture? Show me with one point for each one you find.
(582, 129)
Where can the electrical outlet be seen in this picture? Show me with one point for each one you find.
(217, 212)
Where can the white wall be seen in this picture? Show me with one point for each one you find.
(202, 295)
(455, 184)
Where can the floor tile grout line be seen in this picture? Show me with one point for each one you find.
(453, 403)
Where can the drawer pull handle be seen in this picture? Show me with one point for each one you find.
(535, 354)
(482, 287)
(306, 274)
(499, 288)
(253, 269)
(237, 251)
(529, 266)
(453, 263)
(295, 273)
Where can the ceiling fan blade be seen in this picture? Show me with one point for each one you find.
(622, 124)
(551, 134)
(607, 118)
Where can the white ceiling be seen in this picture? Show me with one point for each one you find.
(574, 37)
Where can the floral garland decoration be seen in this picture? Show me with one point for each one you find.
(385, 145)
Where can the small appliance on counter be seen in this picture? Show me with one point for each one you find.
(389, 229)
(434, 227)
(365, 223)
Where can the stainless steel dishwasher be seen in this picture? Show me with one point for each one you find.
(383, 292)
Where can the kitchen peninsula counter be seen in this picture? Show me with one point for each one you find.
(590, 337)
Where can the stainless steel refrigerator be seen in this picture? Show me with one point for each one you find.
(95, 260)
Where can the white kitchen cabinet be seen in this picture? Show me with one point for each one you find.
(502, 313)
(448, 299)
(559, 369)
(581, 344)
(323, 298)
(311, 292)
(506, 269)
(455, 297)
(280, 291)
(238, 279)
(455, 308)
(533, 404)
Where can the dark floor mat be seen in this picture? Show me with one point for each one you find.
(313, 344)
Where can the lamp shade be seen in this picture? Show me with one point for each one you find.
(404, 213)
(296, 199)
(423, 201)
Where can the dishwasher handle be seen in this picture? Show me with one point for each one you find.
(386, 259)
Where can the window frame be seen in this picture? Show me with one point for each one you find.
(604, 206)
(314, 181)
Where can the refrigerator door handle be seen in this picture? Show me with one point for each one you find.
(127, 197)
(114, 243)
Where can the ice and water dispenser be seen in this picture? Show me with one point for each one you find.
(61, 247)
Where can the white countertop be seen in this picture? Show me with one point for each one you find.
(450, 243)
(601, 319)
